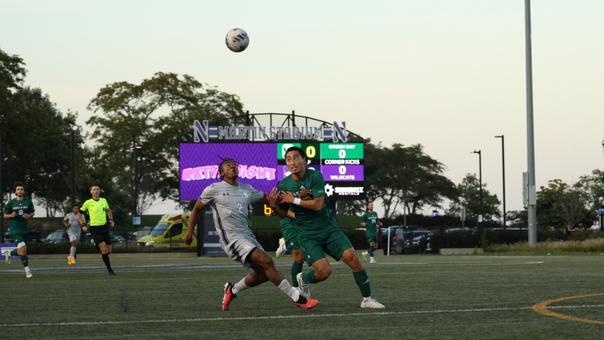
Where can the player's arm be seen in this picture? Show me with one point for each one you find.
(30, 211)
(314, 204)
(199, 206)
(7, 212)
(66, 222)
(110, 216)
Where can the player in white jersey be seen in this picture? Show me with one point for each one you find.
(72, 222)
(229, 201)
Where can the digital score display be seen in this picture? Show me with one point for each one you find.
(263, 164)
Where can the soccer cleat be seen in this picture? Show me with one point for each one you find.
(282, 250)
(7, 257)
(111, 272)
(371, 303)
(228, 296)
(303, 286)
(309, 304)
(365, 254)
(70, 260)
(73, 260)
(28, 274)
(372, 259)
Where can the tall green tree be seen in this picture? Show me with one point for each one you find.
(470, 200)
(35, 137)
(406, 177)
(560, 205)
(141, 125)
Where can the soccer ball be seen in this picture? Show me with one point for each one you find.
(237, 40)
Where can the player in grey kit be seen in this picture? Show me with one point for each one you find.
(229, 201)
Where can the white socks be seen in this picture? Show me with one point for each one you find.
(72, 251)
(290, 291)
(239, 286)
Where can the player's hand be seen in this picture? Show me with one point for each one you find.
(26, 216)
(287, 197)
(305, 194)
(13, 215)
(84, 228)
(273, 197)
(112, 223)
(187, 239)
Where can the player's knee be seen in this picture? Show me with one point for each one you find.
(349, 256)
(265, 261)
(322, 273)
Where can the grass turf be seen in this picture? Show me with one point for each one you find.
(178, 295)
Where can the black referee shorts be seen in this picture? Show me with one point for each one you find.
(100, 234)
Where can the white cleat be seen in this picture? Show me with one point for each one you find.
(28, 274)
(371, 303)
(303, 286)
(282, 250)
(372, 260)
(365, 254)
(7, 257)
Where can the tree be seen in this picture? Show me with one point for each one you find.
(592, 186)
(560, 205)
(144, 123)
(407, 177)
(35, 138)
(470, 200)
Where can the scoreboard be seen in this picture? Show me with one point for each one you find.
(262, 164)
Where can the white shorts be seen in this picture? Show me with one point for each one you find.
(240, 249)
(74, 235)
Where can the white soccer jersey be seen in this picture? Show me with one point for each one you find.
(229, 204)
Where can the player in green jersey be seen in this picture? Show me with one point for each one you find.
(319, 232)
(370, 222)
(19, 210)
(101, 218)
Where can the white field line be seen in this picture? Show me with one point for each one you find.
(283, 317)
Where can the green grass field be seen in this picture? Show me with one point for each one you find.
(427, 296)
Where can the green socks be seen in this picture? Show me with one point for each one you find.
(362, 281)
(296, 268)
(25, 261)
(370, 251)
(309, 276)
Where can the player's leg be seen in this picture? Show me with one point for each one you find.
(372, 248)
(103, 242)
(339, 247)
(262, 262)
(73, 239)
(22, 252)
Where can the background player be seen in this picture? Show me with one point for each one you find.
(371, 222)
(19, 210)
(72, 222)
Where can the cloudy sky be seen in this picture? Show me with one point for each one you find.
(448, 74)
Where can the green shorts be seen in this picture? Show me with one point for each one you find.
(371, 237)
(291, 235)
(332, 244)
(17, 237)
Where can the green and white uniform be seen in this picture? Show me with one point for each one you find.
(318, 232)
(371, 218)
(290, 233)
(18, 225)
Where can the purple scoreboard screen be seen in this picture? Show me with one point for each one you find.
(262, 164)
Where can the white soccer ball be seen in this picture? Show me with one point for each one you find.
(237, 40)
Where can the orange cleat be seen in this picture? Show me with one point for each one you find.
(228, 296)
(310, 303)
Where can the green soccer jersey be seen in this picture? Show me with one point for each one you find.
(18, 225)
(97, 211)
(309, 221)
(371, 218)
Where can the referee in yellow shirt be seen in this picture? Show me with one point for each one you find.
(101, 219)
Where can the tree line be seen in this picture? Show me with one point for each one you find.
(130, 149)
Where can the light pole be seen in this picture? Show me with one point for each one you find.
(601, 213)
(135, 153)
(530, 135)
(503, 171)
(73, 168)
(479, 152)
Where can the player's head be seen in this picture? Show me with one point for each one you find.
(19, 189)
(370, 206)
(296, 159)
(228, 169)
(95, 191)
(75, 207)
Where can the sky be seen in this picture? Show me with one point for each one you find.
(447, 74)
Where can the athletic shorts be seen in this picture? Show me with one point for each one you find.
(100, 234)
(239, 249)
(74, 235)
(17, 237)
(371, 237)
(291, 236)
(332, 244)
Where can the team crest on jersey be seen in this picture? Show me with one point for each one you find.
(226, 194)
